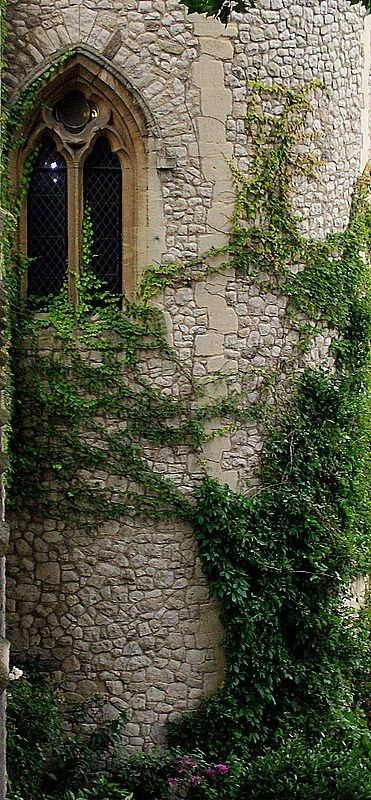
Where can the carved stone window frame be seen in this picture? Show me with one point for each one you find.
(120, 120)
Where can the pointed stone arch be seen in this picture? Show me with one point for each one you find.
(127, 122)
(94, 64)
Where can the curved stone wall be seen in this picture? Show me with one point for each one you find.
(124, 610)
(128, 610)
(192, 73)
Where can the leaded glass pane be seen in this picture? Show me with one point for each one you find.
(103, 194)
(47, 222)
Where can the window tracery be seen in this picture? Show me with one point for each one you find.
(99, 146)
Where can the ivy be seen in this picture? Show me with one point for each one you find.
(72, 399)
(280, 562)
(223, 9)
(25, 102)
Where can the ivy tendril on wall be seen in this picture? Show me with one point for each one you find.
(281, 561)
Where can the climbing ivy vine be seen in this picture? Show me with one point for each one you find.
(280, 562)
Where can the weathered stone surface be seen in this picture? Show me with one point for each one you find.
(127, 609)
(49, 572)
(135, 644)
(4, 663)
(4, 538)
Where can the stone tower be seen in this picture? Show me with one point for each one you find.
(127, 610)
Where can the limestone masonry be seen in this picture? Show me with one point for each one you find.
(127, 611)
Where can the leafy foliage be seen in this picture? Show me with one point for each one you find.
(222, 9)
(335, 766)
(173, 775)
(280, 562)
(49, 755)
(67, 437)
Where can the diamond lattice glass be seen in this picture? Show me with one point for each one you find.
(47, 222)
(103, 194)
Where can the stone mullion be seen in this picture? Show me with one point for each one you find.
(74, 225)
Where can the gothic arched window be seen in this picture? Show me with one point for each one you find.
(91, 154)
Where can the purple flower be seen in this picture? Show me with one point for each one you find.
(195, 780)
(222, 769)
(172, 782)
(210, 772)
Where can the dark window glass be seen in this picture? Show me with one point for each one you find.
(47, 222)
(103, 194)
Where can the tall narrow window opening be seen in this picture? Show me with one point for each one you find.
(91, 137)
(47, 221)
(103, 196)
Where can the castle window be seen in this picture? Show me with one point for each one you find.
(90, 140)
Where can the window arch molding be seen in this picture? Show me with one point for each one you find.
(118, 119)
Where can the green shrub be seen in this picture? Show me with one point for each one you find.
(335, 768)
(144, 774)
(48, 755)
(171, 775)
(101, 789)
